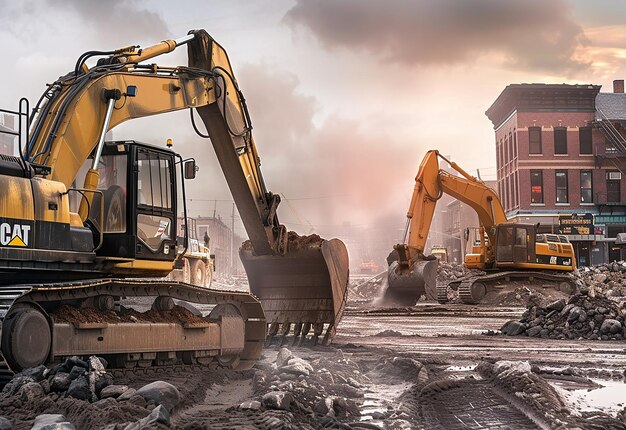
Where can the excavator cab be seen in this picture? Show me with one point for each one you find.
(515, 244)
(136, 206)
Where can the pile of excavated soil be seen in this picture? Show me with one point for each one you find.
(582, 316)
(72, 315)
(294, 242)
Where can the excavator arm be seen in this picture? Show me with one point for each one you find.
(62, 142)
(300, 282)
(412, 273)
(432, 182)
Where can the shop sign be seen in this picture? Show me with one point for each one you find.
(581, 224)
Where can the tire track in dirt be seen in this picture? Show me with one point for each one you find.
(469, 403)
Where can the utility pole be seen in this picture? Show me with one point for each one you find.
(232, 242)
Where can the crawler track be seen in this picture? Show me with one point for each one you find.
(246, 323)
(473, 289)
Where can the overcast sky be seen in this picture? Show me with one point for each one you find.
(345, 96)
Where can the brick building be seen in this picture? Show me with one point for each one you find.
(560, 154)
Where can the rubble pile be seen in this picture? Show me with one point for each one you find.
(608, 279)
(583, 316)
(81, 394)
(327, 392)
(448, 272)
(306, 388)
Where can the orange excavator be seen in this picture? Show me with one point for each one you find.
(86, 224)
(506, 251)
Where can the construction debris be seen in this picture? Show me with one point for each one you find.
(583, 316)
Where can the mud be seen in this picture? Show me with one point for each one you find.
(74, 315)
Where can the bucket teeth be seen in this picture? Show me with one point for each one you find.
(300, 334)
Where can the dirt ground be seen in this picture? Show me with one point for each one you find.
(429, 366)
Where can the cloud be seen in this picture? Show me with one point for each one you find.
(533, 35)
(123, 19)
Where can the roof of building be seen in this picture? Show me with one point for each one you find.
(611, 106)
(542, 98)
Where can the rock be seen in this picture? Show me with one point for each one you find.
(253, 405)
(102, 382)
(76, 372)
(277, 400)
(534, 331)
(103, 361)
(75, 361)
(576, 314)
(5, 424)
(610, 326)
(556, 306)
(60, 382)
(298, 366)
(159, 415)
(34, 372)
(324, 406)
(12, 387)
(567, 308)
(113, 391)
(513, 328)
(30, 391)
(599, 278)
(283, 357)
(79, 389)
(126, 395)
(52, 422)
(325, 376)
(163, 393)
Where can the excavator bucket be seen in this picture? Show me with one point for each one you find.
(302, 292)
(406, 285)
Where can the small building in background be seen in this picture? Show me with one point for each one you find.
(561, 155)
(223, 243)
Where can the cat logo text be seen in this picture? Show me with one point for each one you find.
(14, 235)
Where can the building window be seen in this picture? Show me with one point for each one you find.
(534, 140)
(586, 186)
(560, 140)
(584, 136)
(561, 186)
(536, 186)
(613, 180)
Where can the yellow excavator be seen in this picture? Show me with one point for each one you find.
(86, 224)
(506, 251)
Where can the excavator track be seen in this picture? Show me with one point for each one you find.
(473, 290)
(232, 334)
(442, 294)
